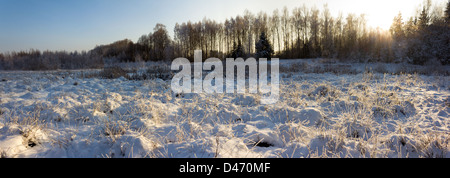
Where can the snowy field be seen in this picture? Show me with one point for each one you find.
(325, 109)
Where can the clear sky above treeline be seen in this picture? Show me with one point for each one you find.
(82, 24)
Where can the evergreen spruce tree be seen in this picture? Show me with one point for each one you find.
(447, 13)
(397, 28)
(263, 47)
(238, 51)
(424, 19)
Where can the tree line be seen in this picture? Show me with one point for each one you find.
(303, 32)
(49, 60)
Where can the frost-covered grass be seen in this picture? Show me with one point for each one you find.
(351, 111)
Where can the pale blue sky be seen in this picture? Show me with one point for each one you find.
(82, 24)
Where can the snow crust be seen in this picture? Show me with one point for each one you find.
(367, 114)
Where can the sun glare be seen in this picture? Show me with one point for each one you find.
(382, 12)
(378, 13)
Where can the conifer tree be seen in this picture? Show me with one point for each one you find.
(447, 13)
(238, 51)
(397, 28)
(263, 47)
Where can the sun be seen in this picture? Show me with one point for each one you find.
(382, 21)
(380, 13)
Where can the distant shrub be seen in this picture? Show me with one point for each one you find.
(295, 67)
(153, 72)
(161, 72)
(113, 72)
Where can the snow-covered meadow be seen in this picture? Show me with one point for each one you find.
(326, 109)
